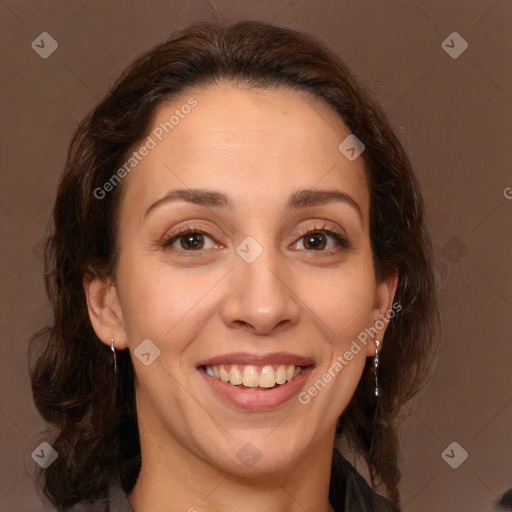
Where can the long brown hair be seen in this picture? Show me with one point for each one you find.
(92, 413)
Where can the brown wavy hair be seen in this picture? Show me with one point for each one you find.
(91, 412)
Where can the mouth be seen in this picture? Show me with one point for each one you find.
(256, 383)
(254, 378)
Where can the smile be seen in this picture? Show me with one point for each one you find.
(254, 377)
(256, 382)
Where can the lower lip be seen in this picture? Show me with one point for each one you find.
(258, 400)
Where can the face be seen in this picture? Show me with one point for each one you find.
(245, 260)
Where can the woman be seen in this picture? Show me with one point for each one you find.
(241, 275)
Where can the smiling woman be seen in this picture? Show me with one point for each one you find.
(270, 247)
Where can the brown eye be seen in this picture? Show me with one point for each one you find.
(189, 240)
(321, 240)
(315, 241)
(192, 241)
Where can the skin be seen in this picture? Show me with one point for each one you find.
(258, 148)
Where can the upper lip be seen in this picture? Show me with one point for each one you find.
(244, 358)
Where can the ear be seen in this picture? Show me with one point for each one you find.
(105, 311)
(383, 310)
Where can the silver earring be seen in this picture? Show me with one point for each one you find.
(114, 352)
(376, 363)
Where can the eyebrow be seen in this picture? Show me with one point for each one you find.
(210, 198)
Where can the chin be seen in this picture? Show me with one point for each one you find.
(257, 455)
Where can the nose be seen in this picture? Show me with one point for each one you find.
(260, 298)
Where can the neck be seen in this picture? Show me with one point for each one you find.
(174, 480)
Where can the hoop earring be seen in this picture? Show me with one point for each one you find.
(376, 363)
(114, 352)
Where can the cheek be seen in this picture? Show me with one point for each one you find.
(158, 301)
(343, 301)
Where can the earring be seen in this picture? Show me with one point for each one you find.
(376, 363)
(114, 352)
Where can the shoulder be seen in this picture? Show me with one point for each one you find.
(113, 500)
(351, 493)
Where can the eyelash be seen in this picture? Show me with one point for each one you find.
(340, 239)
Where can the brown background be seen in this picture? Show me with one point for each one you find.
(453, 116)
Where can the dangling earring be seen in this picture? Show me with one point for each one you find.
(376, 363)
(114, 352)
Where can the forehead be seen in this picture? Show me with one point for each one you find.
(256, 146)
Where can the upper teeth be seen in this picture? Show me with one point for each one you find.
(253, 376)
